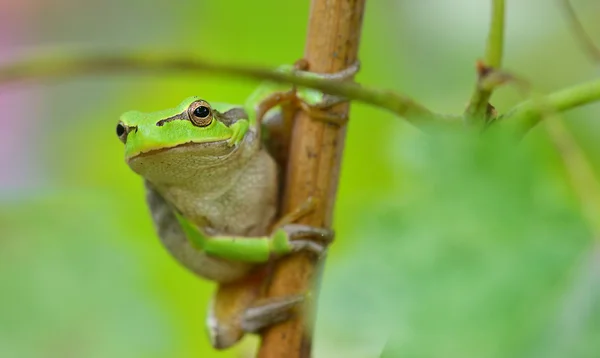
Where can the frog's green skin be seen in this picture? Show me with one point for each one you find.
(212, 189)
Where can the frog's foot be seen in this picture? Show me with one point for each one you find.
(227, 330)
(269, 311)
(317, 104)
(308, 238)
(299, 237)
(314, 103)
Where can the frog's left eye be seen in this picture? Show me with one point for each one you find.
(200, 113)
(122, 132)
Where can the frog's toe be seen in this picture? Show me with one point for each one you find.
(308, 238)
(221, 335)
(269, 311)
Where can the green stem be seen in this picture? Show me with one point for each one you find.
(478, 104)
(70, 64)
(495, 43)
(529, 113)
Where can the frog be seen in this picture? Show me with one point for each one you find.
(213, 175)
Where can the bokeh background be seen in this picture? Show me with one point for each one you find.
(447, 245)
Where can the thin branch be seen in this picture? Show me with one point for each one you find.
(313, 169)
(495, 43)
(71, 64)
(529, 113)
(478, 105)
(579, 31)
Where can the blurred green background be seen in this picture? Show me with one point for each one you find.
(447, 245)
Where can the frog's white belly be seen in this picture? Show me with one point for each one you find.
(225, 202)
(242, 203)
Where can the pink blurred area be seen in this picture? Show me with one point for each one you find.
(17, 20)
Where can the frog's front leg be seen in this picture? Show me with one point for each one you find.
(230, 256)
(285, 240)
(269, 94)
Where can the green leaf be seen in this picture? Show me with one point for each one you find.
(487, 257)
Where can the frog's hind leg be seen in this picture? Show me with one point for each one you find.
(227, 308)
(237, 309)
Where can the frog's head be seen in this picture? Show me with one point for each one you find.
(191, 135)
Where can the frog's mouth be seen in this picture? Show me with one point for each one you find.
(215, 148)
(185, 161)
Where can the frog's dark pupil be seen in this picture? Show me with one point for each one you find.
(120, 129)
(201, 112)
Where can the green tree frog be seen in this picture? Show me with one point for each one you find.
(213, 190)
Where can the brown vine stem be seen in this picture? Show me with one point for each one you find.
(316, 150)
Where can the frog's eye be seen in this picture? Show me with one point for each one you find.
(122, 132)
(200, 113)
